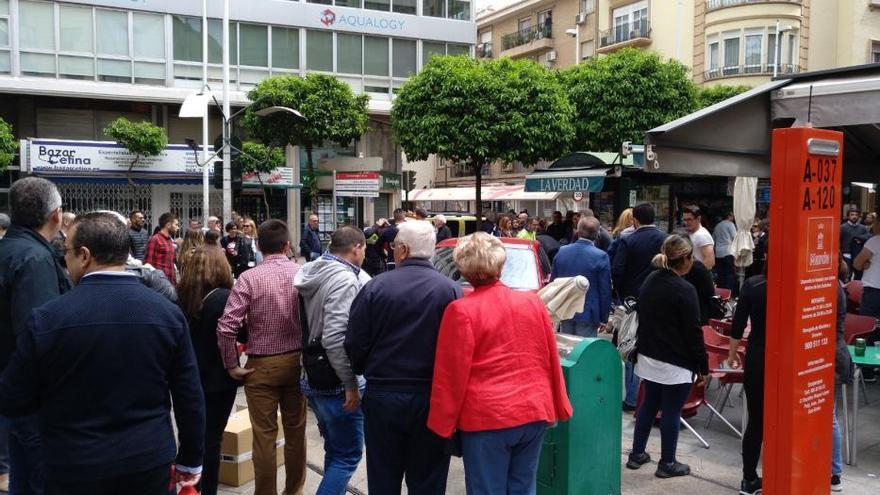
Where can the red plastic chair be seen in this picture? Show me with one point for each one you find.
(724, 294)
(858, 326)
(854, 291)
(712, 336)
(695, 400)
(726, 376)
(721, 326)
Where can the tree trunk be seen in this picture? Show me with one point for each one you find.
(313, 180)
(478, 172)
(130, 168)
(265, 197)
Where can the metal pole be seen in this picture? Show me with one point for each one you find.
(206, 190)
(577, 41)
(776, 51)
(227, 127)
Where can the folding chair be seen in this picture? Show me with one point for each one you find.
(695, 399)
(854, 290)
(726, 376)
(724, 294)
(855, 327)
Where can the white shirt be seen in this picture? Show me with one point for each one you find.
(701, 238)
(871, 276)
(661, 372)
(724, 233)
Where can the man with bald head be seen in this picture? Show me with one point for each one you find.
(584, 258)
(310, 243)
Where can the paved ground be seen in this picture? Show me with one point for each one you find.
(716, 470)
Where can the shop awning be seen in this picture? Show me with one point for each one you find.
(488, 193)
(732, 138)
(587, 180)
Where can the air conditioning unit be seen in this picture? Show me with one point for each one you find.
(582, 18)
(551, 56)
(874, 4)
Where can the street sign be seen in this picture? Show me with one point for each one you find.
(801, 310)
(578, 196)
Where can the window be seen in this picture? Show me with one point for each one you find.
(285, 48)
(404, 6)
(630, 21)
(324, 2)
(187, 38)
(792, 52)
(456, 49)
(524, 24)
(771, 50)
(459, 9)
(254, 41)
(112, 32)
(215, 42)
(545, 23)
(404, 61)
(384, 5)
(731, 55)
(434, 8)
(430, 49)
(753, 52)
(875, 52)
(75, 29)
(349, 53)
(36, 26)
(714, 54)
(375, 56)
(587, 6)
(149, 36)
(588, 48)
(319, 50)
(348, 3)
(5, 62)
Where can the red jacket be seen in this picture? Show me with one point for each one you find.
(497, 365)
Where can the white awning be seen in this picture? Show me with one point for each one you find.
(488, 193)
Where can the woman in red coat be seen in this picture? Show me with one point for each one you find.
(497, 377)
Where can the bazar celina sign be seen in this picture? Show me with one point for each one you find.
(590, 180)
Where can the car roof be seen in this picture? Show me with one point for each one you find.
(507, 241)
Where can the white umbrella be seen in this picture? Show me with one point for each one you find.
(744, 195)
(564, 297)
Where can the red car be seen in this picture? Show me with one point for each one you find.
(526, 267)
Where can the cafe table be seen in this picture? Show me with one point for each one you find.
(870, 359)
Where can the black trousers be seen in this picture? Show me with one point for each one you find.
(400, 444)
(154, 481)
(218, 405)
(753, 382)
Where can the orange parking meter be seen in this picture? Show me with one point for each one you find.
(801, 310)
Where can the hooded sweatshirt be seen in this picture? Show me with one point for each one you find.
(328, 287)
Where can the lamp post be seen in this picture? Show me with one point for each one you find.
(227, 131)
(206, 189)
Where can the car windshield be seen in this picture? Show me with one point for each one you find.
(520, 270)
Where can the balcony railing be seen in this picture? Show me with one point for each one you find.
(523, 36)
(720, 4)
(747, 70)
(484, 50)
(625, 32)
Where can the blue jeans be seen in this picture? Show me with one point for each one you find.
(502, 461)
(669, 399)
(26, 470)
(343, 434)
(4, 445)
(579, 328)
(837, 443)
(631, 381)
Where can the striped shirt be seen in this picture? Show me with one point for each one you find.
(265, 300)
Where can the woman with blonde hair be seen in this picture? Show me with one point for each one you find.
(505, 226)
(493, 344)
(625, 226)
(193, 239)
(202, 292)
(670, 354)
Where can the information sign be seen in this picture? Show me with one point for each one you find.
(357, 184)
(801, 310)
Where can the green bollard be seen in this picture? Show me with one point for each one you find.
(581, 456)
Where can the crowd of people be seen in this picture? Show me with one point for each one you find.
(391, 356)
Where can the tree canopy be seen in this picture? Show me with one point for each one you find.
(331, 109)
(8, 145)
(257, 157)
(715, 94)
(142, 139)
(619, 97)
(477, 112)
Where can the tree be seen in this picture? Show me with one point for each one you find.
(619, 97)
(142, 139)
(8, 145)
(332, 113)
(477, 112)
(715, 94)
(259, 158)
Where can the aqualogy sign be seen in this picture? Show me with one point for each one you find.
(801, 310)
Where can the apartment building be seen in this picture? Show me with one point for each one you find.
(68, 68)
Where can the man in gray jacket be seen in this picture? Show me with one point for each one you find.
(328, 286)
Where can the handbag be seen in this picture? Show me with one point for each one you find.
(319, 372)
(627, 332)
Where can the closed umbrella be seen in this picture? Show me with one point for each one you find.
(744, 195)
(564, 297)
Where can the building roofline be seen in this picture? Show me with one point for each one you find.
(497, 15)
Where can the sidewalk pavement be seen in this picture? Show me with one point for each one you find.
(715, 471)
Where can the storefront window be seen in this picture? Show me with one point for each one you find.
(404, 6)
(319, 50)
(285, 48)
(434, 8)
(348, 54)
(254, 40)
(375, 56)
(454, 49)
(429, 50)
(36, 26)
(404, 58)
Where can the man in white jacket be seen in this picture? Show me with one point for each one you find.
(328, 286)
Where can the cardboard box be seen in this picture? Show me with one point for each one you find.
(236, 458)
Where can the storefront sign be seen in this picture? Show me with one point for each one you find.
(802, 310)
(579, 180)
(280, 178)
(357, 184)
(390, 181)
(85, 158)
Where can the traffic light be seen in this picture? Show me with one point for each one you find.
(218, 175)
(409, 180)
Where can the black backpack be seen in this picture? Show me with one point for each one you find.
(319, 372)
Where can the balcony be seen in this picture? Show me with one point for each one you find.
(749, 70)
(630, 34)
(484, 50)
(720, 4)
(526, 41)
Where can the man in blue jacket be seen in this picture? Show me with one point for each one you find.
(101, 374)
(584, 258)
(391, 340)
(30, 275)
(310, 244)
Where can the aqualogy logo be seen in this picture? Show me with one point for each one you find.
(328, 17)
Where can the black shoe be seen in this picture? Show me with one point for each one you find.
(672, 469)
(836, 483)
(752, 487)
(636, 461)
(628, 408)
